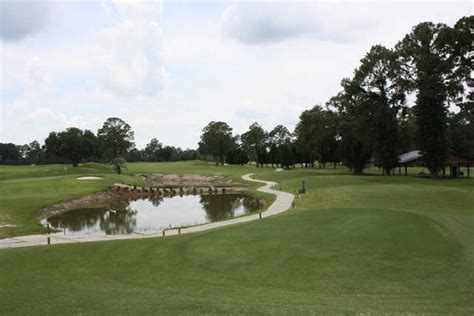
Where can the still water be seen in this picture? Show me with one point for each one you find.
(153, 214)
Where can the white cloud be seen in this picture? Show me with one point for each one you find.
(19, 19)
(114, 63)
(127, 57)
(82, 83)
(140, 10)
(269, 21)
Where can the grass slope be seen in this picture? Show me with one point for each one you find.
(367, 244)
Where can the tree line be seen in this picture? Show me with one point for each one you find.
(371, 118)
(115, 139)
(397, 100)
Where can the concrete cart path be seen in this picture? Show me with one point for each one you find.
(282, 203)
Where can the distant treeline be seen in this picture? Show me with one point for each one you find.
(369, 120)
(73, 145)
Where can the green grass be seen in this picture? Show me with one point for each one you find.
(354, 244)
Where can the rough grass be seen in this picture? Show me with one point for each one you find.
(354, 244)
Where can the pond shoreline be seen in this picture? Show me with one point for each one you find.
(124, 192)
(282, 203)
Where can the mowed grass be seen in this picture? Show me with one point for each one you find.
(353, 244)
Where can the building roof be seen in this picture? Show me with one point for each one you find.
(409, 156)
(452, 159)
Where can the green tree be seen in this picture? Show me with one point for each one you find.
(9, 153)
(238, 156)
(134, 155)
(90, 145)
(153, 150)
(306, 137)
(428, 65)
(51, 148)
(279, 140)
(286, 155)
(378, 78)
(217, 140)
(408, 130)
(71, 145)
(460, 51)
(33, 153)
(116, 138)
(118, 164)
(461, 134)
(461, 124)
(254, 143)
(354, 119)
(316, 136)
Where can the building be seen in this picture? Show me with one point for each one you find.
(454, 163)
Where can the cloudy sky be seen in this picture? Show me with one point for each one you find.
(170, 67)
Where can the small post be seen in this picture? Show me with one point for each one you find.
(260, 215)
(163, 233)
(303, 186)
(49, 240)
(293, 204)
(179, 231)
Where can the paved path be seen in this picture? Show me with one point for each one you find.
(282, 203)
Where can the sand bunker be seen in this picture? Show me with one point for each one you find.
(89, 178)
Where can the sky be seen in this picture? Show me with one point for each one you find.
(168, 68)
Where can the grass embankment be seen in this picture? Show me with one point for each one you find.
(367, 244)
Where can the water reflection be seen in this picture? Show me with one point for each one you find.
(225, 206)
(153, 214)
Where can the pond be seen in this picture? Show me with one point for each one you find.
(153, 214)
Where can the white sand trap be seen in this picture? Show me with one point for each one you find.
(7, 225)
(278, 170)
(89, 178)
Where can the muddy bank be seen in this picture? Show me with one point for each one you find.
(107, 196)
(194, 180)
(156, 184)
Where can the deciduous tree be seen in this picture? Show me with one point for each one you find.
(116, 137)
(217, 140)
